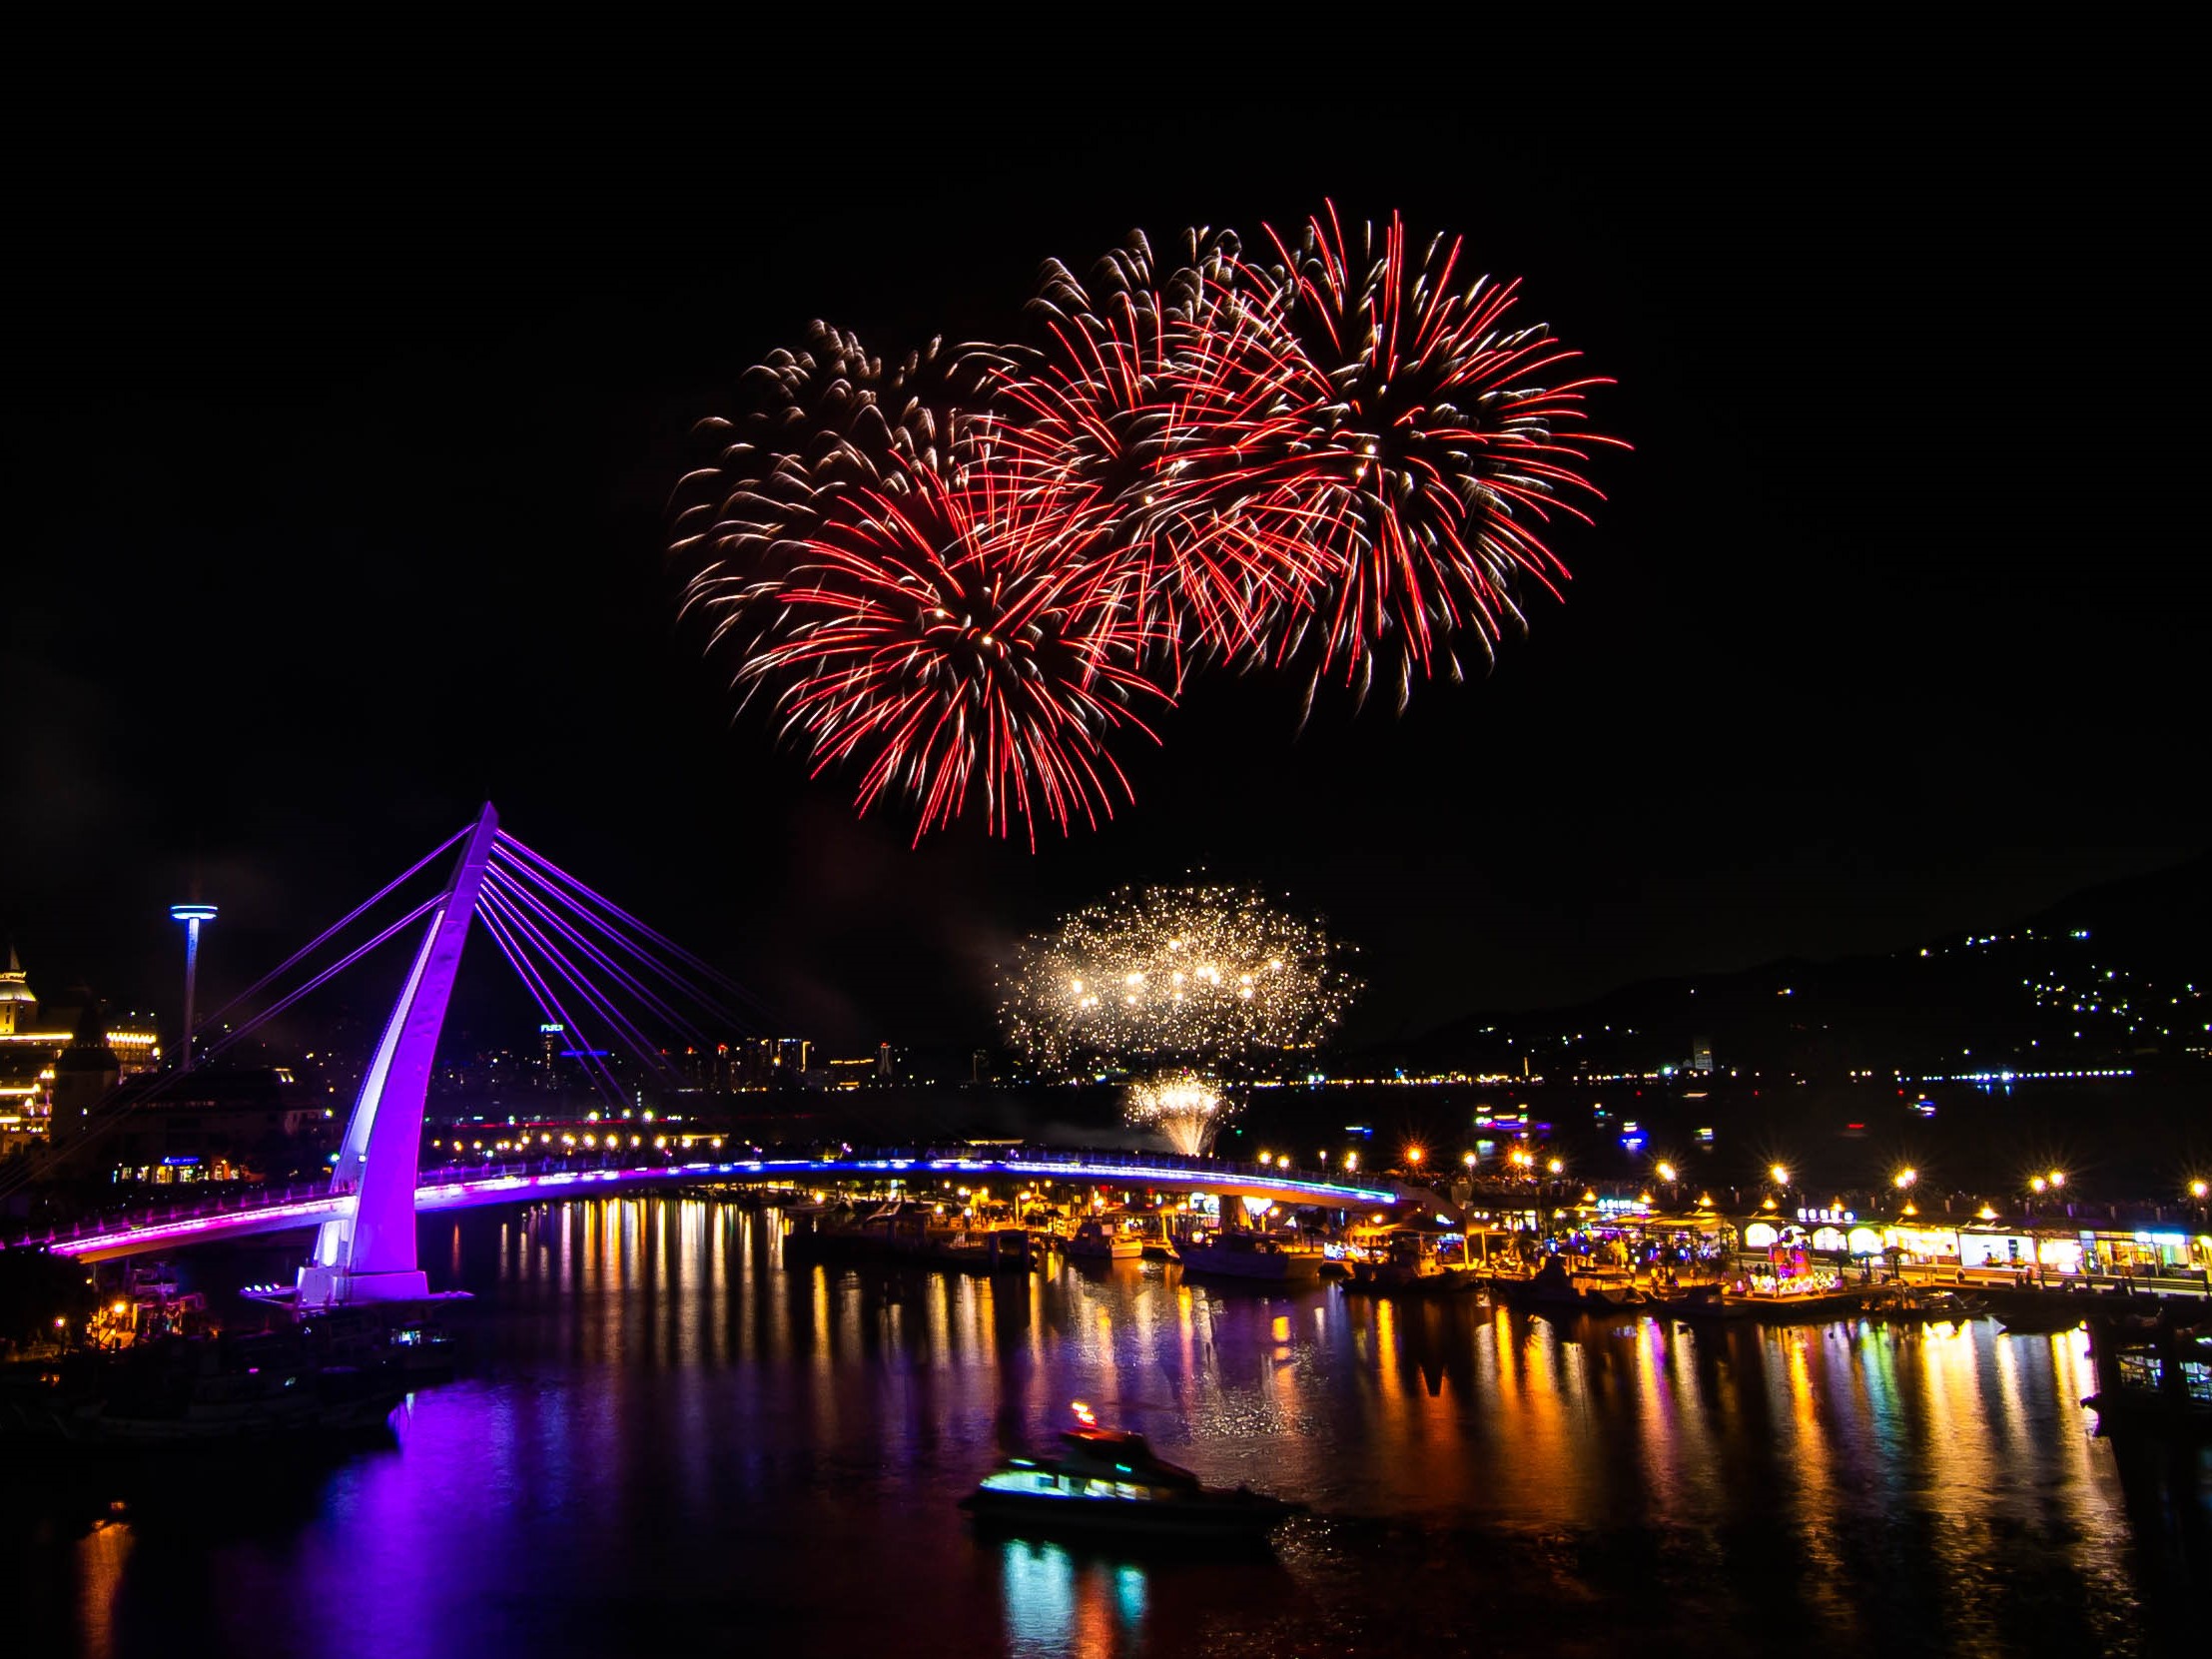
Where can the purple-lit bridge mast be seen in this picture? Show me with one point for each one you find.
(368, 1255)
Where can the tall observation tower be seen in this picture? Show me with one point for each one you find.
(192, 915)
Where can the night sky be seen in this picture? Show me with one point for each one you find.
(338, 462)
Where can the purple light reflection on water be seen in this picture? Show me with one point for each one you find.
(666, 1438)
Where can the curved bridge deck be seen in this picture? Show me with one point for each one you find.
(468, 1186)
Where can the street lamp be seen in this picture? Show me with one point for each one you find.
(192, 915)
(2058, 1178)
(1780, 1173)
(1905, 1178)
(1556, 1166)
(1413, 1155)
(1467, 1158)
(1665, 1170)
(2198, 1189)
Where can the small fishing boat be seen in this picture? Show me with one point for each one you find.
(1809, 1307)
(1921, 1305)
(1413, 1261)
(1103, 1238)
(1109, 1481)
(181, 1391)
(1551, 1289)
(1257, 1256)
(2049, 1314)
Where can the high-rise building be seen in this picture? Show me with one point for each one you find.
(753, 1062)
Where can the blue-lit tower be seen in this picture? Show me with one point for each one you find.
(192, 915)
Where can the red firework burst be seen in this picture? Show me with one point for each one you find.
(958, 633)
(819, 421)
(1418, 448)
(1150, 403)
(965, 574)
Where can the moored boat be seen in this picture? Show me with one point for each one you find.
(1920, 1305)
(1103, 1238)
(1411, 1261)
(1765, 1308)
(178, 1393)
(1552, 1287)
(1256, 1256)
(2057, 1316)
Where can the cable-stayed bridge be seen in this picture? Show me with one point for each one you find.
(587, 964)
(538, 1181)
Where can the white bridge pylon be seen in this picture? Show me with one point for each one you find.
(368, 1255)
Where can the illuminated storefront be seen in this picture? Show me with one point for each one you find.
(1995, 1246)
(2147, 1250)
(1918, 1246)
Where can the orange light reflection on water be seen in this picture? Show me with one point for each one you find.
(1368, 1406)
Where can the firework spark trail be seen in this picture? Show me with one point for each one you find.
(965, 572)
(946, 638)
(1211, 977)
(821, 421)
(1416, 437)
(1152, 396)
(1182, 1108)
(1148, 397)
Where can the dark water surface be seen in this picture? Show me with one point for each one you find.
(667, 1442)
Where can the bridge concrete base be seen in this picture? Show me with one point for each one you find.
(341, 1288)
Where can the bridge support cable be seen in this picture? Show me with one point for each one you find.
(339, 967)
(516, 893)
(646, 959)
(600, 908)
(598, 905)
(333, 931)
(548, 1004)
(617, 1024)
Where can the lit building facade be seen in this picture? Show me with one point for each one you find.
(30, 1045)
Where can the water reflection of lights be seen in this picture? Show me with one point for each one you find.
(1058, 1605)
(1967, 1441)
(101, 1556)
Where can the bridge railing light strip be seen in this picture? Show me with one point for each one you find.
(454, 1186)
